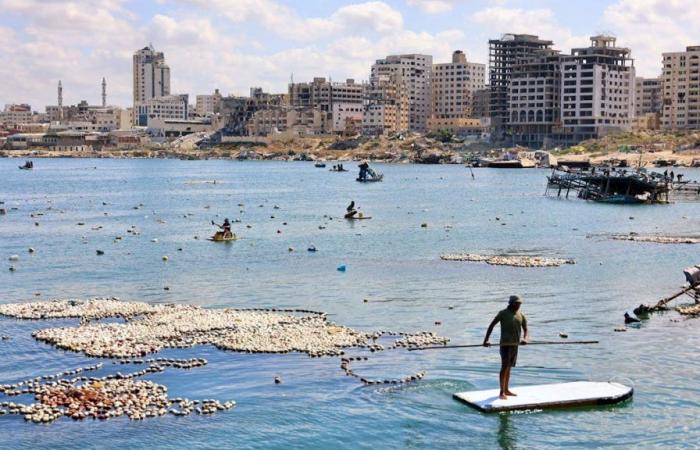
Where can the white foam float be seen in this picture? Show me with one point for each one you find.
(543, 396)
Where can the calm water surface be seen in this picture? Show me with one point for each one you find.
(392, 262)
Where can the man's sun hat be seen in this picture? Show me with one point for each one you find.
(514, 299)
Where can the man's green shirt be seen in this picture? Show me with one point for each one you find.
(511, 325)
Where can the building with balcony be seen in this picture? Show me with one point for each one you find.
(681, 90)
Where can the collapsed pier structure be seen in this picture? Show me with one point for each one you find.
(692, 290)
(621, 186)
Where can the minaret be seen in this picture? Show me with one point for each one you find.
(60, 101)
(104, 92)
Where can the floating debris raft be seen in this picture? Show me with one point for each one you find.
(345, 367)
(689, 310)
(508, 260)
(657, 239)
(93, 309)
(102, 398)
(150, 328)
(621, 186)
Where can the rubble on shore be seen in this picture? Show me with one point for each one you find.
(508, 260)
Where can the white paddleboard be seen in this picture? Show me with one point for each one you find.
(548, 396)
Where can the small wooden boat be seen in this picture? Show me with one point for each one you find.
(350, 216)
(377, 177)
(621, 199)
(503, 164)
(558, 395)
(574, 163)
(219, 237)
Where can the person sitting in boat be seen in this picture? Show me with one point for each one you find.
(225, 227)
(350, 210)
(364, 169)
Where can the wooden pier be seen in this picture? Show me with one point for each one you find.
(620, 186)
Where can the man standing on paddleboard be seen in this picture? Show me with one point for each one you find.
(513, 325)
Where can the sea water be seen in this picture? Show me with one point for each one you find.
(394, 280)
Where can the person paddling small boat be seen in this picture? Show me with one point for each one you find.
(350, 210)
(225, 234)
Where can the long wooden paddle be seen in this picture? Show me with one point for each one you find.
(441, 347)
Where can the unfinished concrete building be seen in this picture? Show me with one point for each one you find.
(504, 54)
(322, 94)
(648, 96)
(534, 102)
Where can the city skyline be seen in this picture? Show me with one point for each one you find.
(235, 44)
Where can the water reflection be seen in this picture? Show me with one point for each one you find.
(507, 438)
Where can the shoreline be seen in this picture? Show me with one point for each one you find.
(632, 160)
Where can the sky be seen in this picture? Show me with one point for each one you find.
(235, 44)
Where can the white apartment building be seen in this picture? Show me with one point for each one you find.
(453, 87)
(598, 84)
(415, 71)
(16, 115)
(151, 75)
(346, 114)
(170, 107)
(110, 118)
(208, 104)
(681, 90)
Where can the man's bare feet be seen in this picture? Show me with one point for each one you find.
(513, 394)
(503, 397)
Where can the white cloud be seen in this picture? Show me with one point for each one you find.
(207, 44)
(78, 42)
(651, 27)
(373, 16)
(541, 22)
(433, 6)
